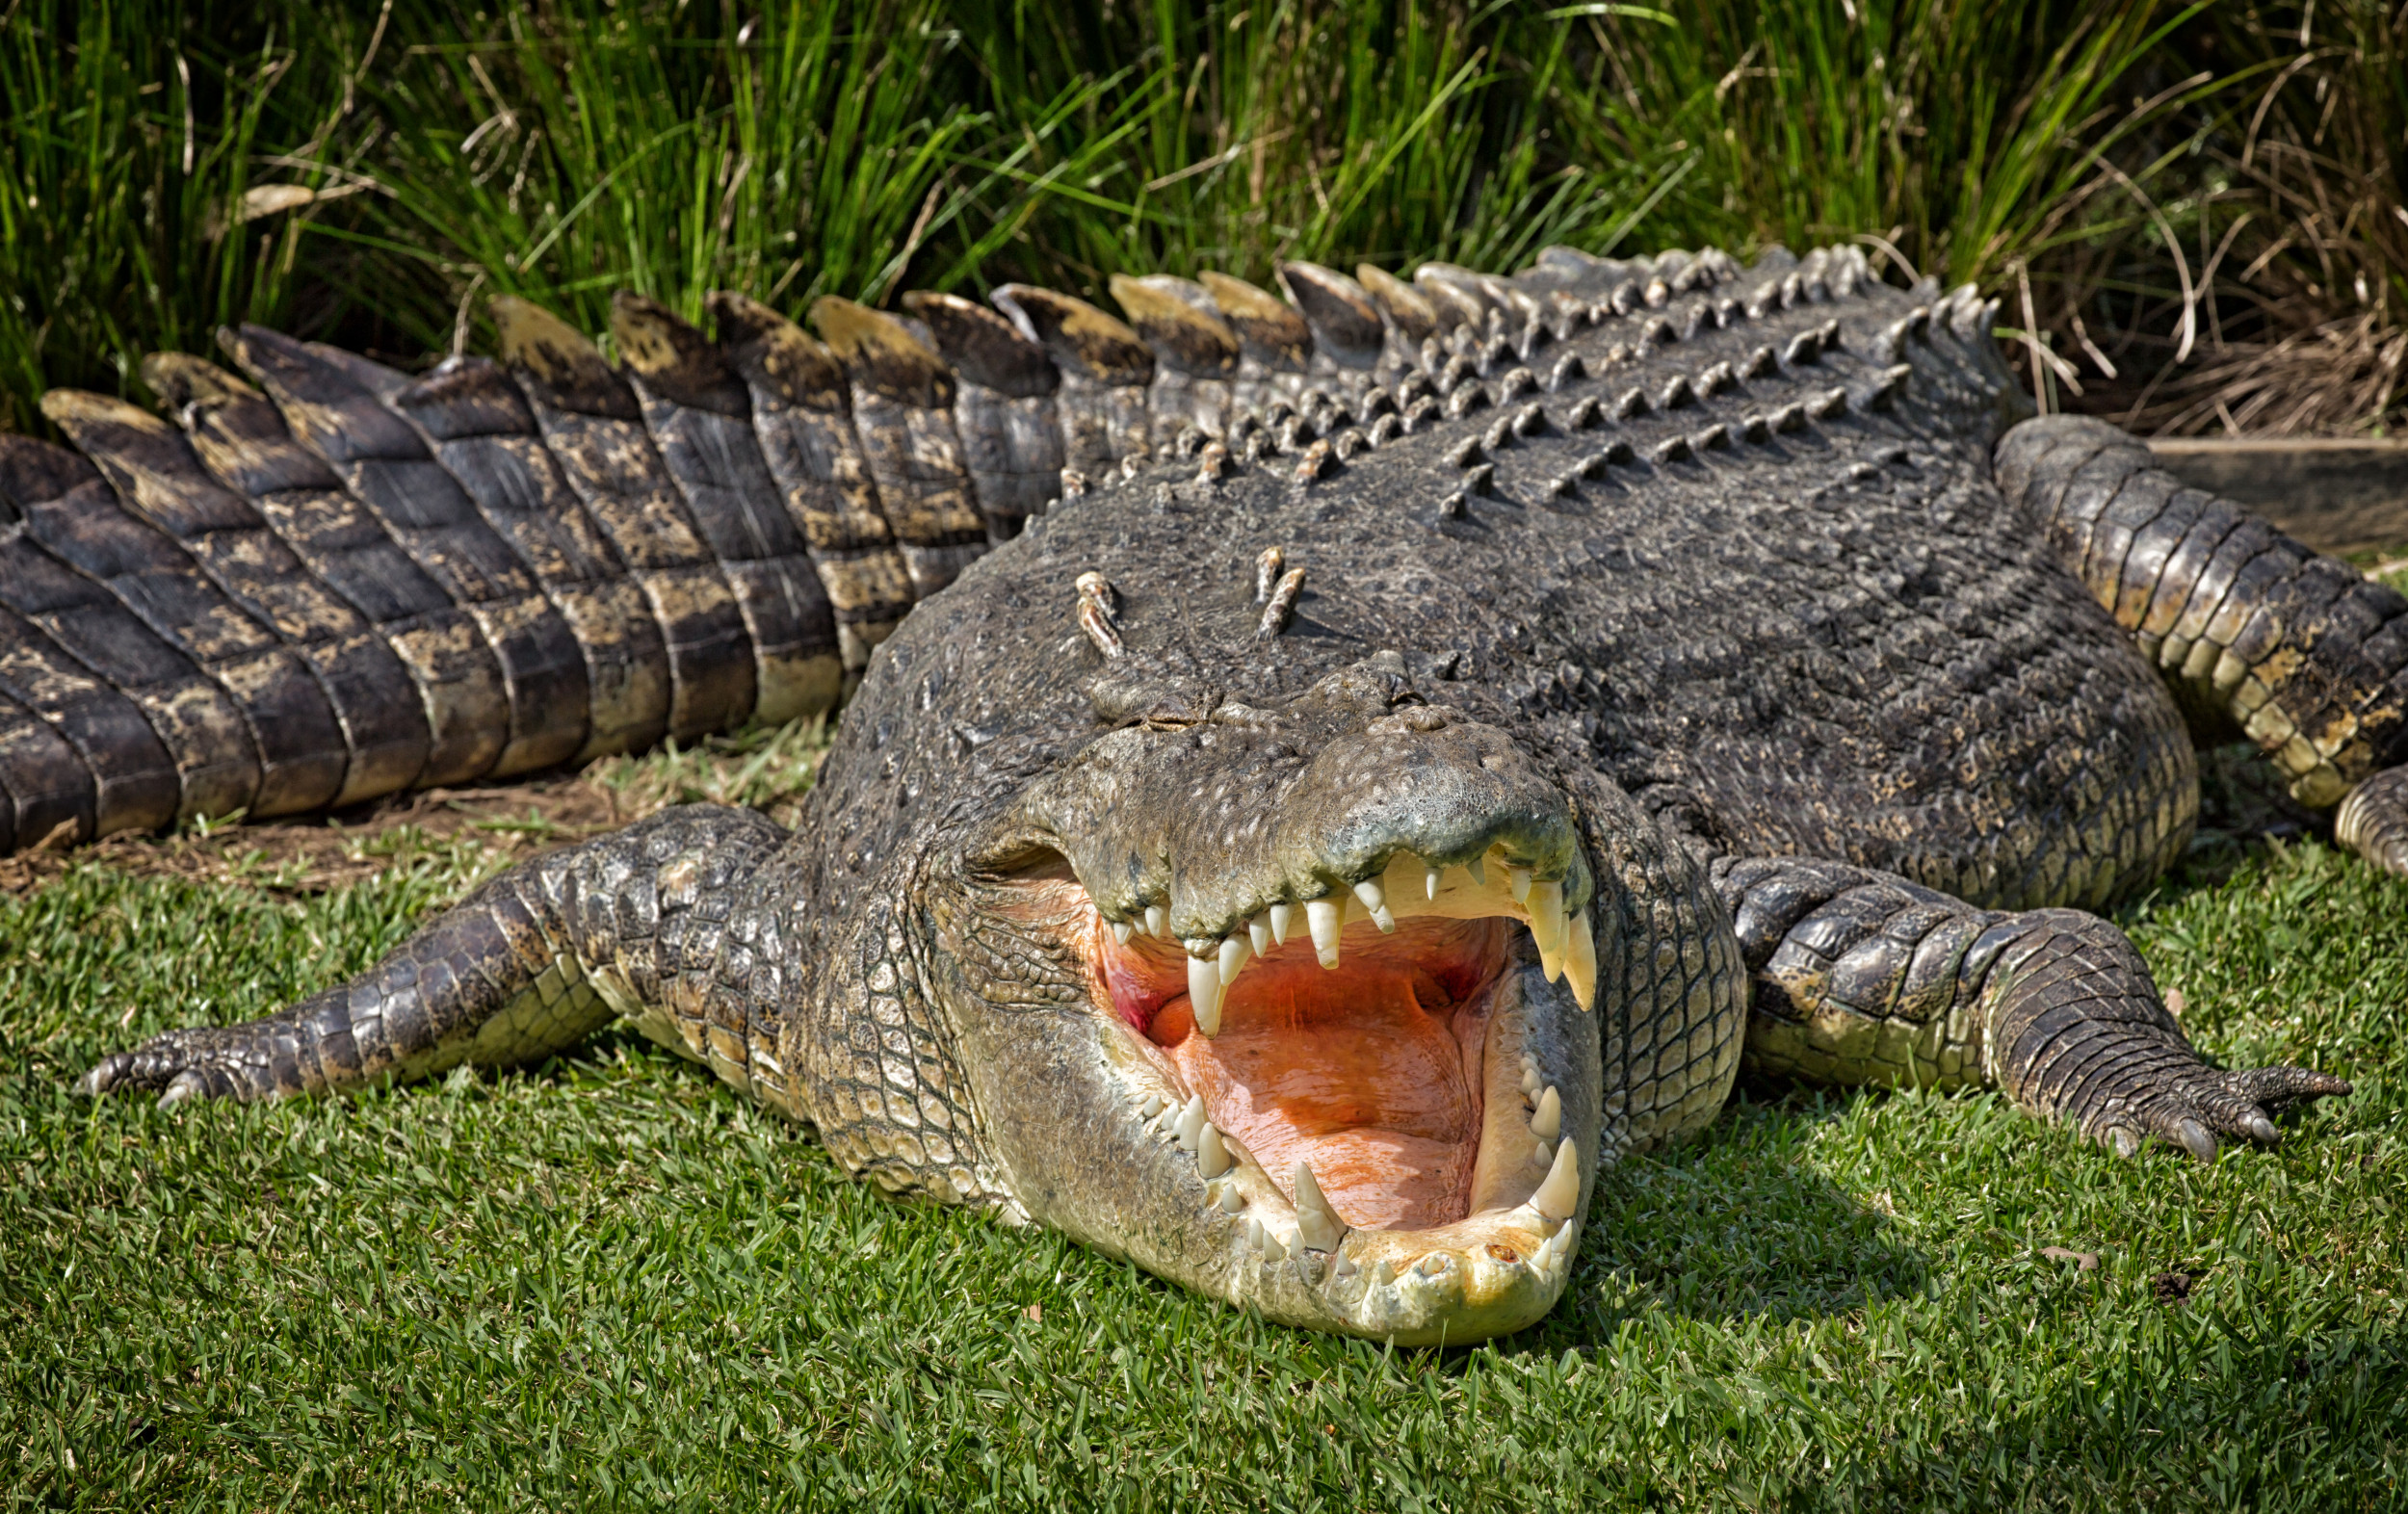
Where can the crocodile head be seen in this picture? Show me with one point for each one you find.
(1286, 1002)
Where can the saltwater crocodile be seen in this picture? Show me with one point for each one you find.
(1427, 738)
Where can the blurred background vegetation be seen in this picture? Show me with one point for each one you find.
(2193, 214)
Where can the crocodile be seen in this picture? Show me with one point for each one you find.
(1324, 778)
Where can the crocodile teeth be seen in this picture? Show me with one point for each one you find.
(1204, 989)
(1122, 931)
(1548, 1123)
(1545, 905)
(1235, 949)
(1383, 1272)
(1157, 918)
(1376, 900)
(1580, 961)
(1429, 883)
(1520, 880)
(1561, 1188)
(1154, 1104)
(1212, 1158)
(1257, 933)
(1282, 918)
(1318, 1225)
(1325, 918)
(1189, 1126)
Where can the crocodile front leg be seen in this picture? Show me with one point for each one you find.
(639, 923)
(1863, 977)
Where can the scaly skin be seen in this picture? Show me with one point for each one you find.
(1672, 611)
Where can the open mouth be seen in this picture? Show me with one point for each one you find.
(1375, 1107)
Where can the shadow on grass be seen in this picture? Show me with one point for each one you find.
(1732, 1228)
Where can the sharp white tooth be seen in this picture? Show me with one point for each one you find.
(1282, 917)
(1231, 1200)
(1532, 1083)
(1343, 1267)
(1325, 920)
(1561, 1189)
(1548, 1123)
(1543, 1154)
(1317, 1224)
(1580, 961)
(1545, 905)
(1154, 1104)
(1383, 1272)
(1519, 880)
(1212, 1160)
(1478, 867)
(1430, 882)
(1257, 933)
(1235, 949)
(1191, 1123)
(1550, 964)
(1121, 932)
(1254, 1233)
(1273, 1250)
(1157, 918)
(1375, 899)
(1204, 993)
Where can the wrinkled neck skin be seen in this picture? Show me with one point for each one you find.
(1279, 995)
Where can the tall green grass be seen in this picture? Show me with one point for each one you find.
(401, 160)
(133, 130)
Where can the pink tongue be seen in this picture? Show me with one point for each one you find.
(1345, 1071)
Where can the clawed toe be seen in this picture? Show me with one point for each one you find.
(2194, 1137)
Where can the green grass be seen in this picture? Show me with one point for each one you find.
(431, 153)
(611, 1281)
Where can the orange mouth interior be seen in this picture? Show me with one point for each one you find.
(1371, 1072)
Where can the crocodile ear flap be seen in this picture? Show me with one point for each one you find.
(1406, 309)
(1082, 339)
(983, 347)
(673, 358)
(1345, 320)
(557, 363)
(1176, 320)
(775, 354)
(881, 355)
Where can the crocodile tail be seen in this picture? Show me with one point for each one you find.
(593, 429)
(802, 416)
(1002, 408)
(1106, 371)
(245, 446)
(482, 430)
(331, 403)
(700, 417)
(336, 713)
(901, 397)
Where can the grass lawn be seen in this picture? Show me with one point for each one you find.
(611, 1281)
